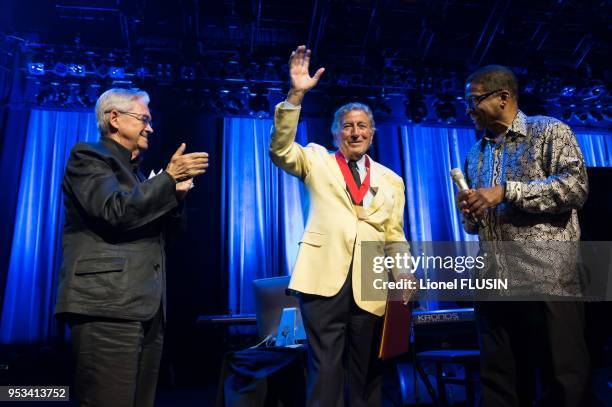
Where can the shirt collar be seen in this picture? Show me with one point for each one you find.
(518, 128)
(122, 153)
(360, 162)
(519, 124)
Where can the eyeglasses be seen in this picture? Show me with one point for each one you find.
(473, 101)
(146, 120)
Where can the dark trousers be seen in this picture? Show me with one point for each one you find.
(518, 338)
(117, 361)
(343, 348)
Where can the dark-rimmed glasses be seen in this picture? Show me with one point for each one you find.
(473, 101)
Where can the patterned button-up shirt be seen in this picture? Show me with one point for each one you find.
(541, 166)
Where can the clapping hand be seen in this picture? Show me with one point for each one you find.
(183, 166)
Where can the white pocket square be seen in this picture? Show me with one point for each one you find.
(153, 174)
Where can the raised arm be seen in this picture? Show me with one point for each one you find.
(284, 151)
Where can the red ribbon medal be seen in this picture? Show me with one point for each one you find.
(356, 193)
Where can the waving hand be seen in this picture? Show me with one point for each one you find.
(301, 81)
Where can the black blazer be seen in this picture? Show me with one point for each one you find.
(114, 231)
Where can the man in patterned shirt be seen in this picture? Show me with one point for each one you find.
(527, 180)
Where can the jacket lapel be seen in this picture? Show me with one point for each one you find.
(337, 175)
(377, 182)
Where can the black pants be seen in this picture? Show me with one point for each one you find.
(343, 347)
(117, 361)
(518, 338)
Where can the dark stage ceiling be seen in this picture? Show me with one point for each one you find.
(384, 48)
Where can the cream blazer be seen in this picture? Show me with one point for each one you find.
(336, 227)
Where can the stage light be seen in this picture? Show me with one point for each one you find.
(167, 71)
(597, 91)
(416, 110)
(445, 109)
(84, 97)
(257, 100)
(188, 73)
(568, 91)
(449, 86)
(343, 80)
(60, 69)
(271, 72)
(102, 71)
(62, 99)
(529, 87)
(229, 103)
(591, 93)
(232, 70)
(142, 72)
(380, 106)
(116, 72)
(76, 70)
(595, 115)
(567, 115)
(582, 116)
(215, 103)
(44, 96)
(380, 103)
(259, 105)
(36, 68)
(233, 105)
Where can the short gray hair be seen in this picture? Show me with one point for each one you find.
(120, 99)
(342, 110)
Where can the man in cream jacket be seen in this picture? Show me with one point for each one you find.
(354, 202)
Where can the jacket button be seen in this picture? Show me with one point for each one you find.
(156, 266)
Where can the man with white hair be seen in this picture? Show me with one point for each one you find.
(112, 280)
(354, 201)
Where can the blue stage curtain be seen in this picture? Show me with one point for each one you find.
(31, 282)
(431, 152)
(423, 157)
(263, 210)
(596, 148)
(13, 135)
